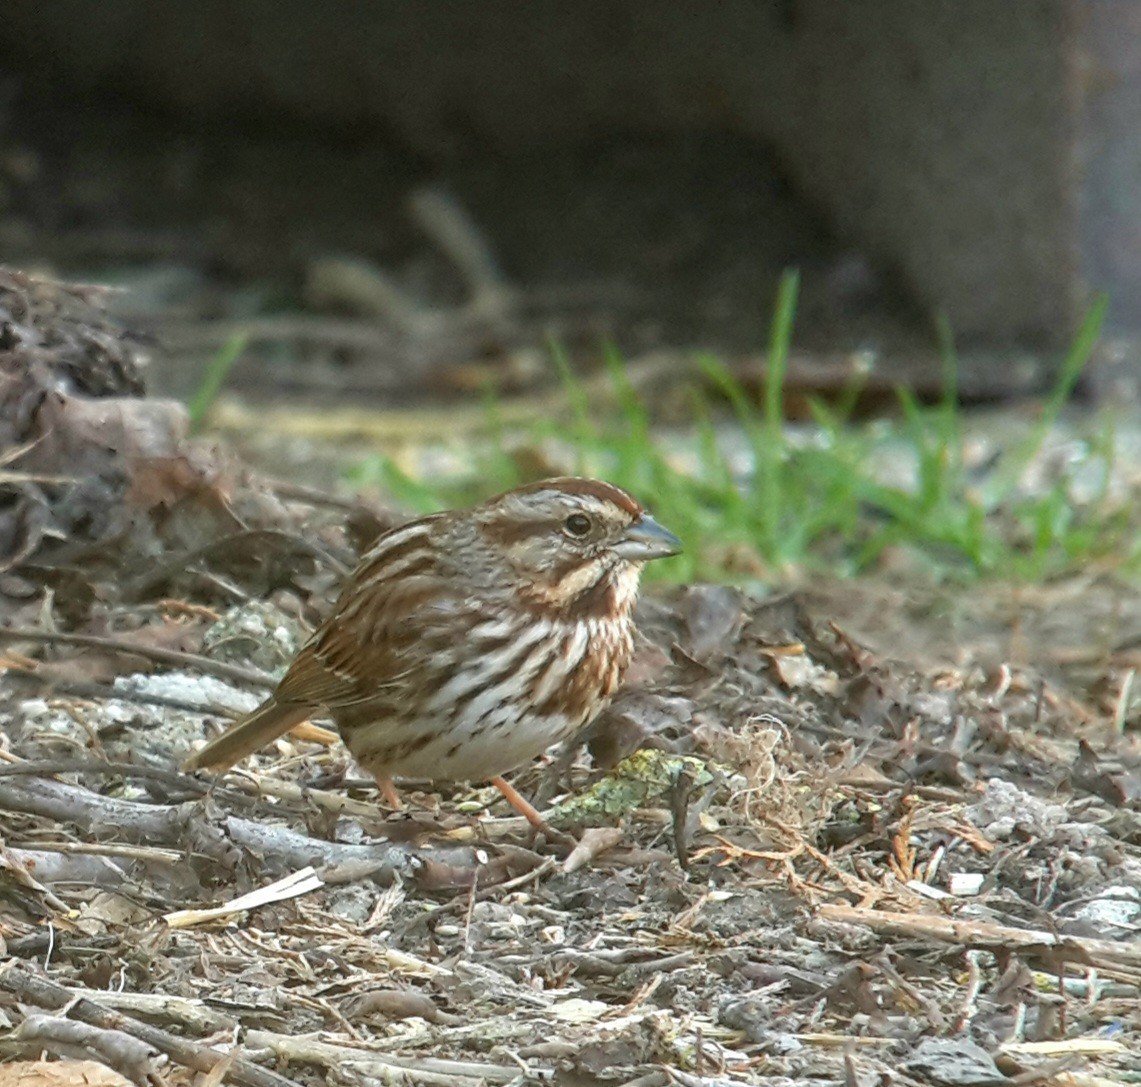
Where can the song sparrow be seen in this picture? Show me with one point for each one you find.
(468, 642)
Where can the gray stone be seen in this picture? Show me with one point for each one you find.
(953, 1062)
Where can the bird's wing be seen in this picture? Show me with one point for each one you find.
(372, 642)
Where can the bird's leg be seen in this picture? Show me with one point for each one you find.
(511, 795)
(388, 791)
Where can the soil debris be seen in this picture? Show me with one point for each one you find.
(836, 862)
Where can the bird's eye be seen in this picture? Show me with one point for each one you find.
(577, 524)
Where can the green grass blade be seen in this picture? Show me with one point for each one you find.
(213, 379)
(780, 341)
(1006, 480)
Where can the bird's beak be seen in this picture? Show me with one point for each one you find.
(645, 539)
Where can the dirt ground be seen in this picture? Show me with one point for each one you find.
(854, 832)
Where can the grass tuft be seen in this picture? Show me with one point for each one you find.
(784, 502)
(213, 379)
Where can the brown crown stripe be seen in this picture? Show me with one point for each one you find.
(606, 492)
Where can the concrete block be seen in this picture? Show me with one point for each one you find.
(988, 151)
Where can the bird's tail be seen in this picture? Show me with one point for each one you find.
(270, 720)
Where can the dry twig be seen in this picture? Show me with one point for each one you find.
(43, 993)
(1114, 958)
